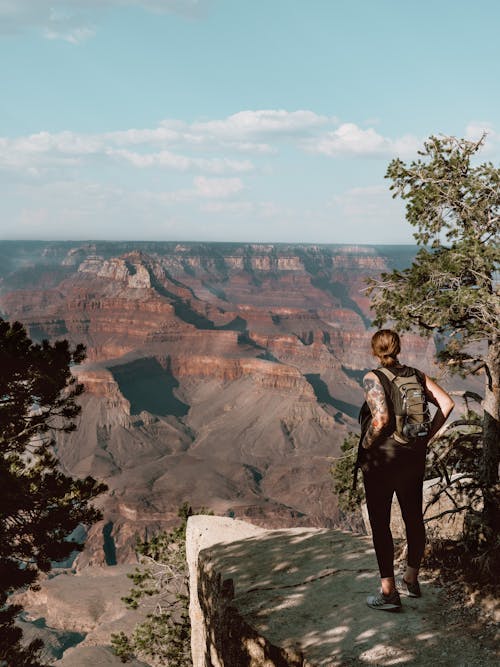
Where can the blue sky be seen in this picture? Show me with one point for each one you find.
(235, 120)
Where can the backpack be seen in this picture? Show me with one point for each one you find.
(412, 418)
(411, 409)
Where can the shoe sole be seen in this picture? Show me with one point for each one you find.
(385, 607)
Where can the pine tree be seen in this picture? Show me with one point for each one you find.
(349, 499)
(39, 506)
(451, 289)
(161, 584)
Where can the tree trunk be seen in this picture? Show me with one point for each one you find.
(491, 443)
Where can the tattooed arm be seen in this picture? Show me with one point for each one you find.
(375, 397)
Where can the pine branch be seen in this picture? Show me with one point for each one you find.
(445, 512)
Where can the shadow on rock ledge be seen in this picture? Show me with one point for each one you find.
(296, 597)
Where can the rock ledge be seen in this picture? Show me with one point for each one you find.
(296, 598)
(272, 597)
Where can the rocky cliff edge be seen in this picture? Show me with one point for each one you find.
(296, 597)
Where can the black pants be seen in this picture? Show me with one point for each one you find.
(380, 486)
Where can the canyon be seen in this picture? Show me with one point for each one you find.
(224, 375)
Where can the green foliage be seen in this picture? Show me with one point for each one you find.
(451, 290)
(165, 635)
(349, 499)
(12, 652)
(122, 646)
(39, 505)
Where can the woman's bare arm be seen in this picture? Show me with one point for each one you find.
(375, 397)
(443, 401)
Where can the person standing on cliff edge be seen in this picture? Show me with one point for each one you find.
(390, 465)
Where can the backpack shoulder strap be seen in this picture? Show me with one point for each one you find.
(420, 376)
(388, 374)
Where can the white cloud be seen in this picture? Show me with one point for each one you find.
(213, 146)
(250, 147)
(184, 7)
(173, 131)
(55, 20)
(475, 130)
(60, 142)
(37, 153)
(170, 145)
(158, 135)
(73, 20)
(179, 178)
(350, 139)
(75, 35)
(181, 162)
(243, 131)
(261, 122)
(217, 188)
(41, 8)
(45, 150)
(203, 188)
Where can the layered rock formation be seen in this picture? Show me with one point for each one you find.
(224, 375)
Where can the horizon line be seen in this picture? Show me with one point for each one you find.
(179, 241)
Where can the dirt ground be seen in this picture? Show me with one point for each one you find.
(471, 619)
(445, 627)
(303, 591)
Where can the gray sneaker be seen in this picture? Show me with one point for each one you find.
(410, 590)
(383, 602)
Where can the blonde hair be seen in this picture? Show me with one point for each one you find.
(386, 345)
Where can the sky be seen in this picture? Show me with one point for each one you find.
(232, 120)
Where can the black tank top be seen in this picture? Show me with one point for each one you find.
(386, 453)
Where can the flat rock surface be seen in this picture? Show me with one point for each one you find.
(305, 589)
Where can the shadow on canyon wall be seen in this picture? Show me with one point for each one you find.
(323, 395)
(148, 386)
